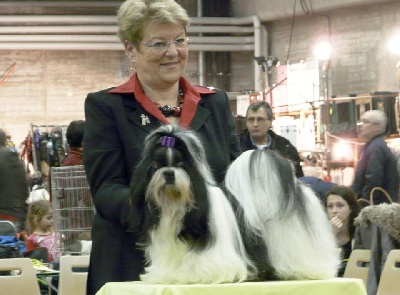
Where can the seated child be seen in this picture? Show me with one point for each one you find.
(40, 224)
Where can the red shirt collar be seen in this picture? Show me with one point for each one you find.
(191, 99)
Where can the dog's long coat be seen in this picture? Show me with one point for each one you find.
(285, 214)
(269, 225)
(189, 230)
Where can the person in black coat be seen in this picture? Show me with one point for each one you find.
(377, 166)
(259, 135)
(14, 188)
(119, 119)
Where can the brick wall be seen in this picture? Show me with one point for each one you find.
(49, 87)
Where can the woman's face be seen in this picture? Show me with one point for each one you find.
(159, 69)
(337, 206)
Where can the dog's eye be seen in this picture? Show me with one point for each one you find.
(154, 165)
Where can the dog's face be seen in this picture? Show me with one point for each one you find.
(170, 180)
(170, 185)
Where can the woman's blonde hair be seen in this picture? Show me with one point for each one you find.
(134, 14)
(37, 210)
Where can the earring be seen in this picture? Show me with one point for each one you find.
(133, 66)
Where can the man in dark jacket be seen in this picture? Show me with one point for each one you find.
(13, 185)
(259, 135)
(74, 136)
(377, 166)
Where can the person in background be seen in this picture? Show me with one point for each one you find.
(40, 225)
(377, 166)
(74, 136)
(259, 135)
(14, 187)
(342, 208)
(119, 119)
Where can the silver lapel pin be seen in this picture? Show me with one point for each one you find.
(145, 120)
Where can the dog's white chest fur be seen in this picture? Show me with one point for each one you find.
(171, 260)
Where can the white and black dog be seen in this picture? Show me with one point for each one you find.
(268, 226)
(284, 215)
(189, 230)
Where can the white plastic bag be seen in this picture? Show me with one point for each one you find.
(38, 193)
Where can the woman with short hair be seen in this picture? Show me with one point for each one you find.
(119, 119)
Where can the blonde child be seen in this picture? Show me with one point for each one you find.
(40, 224)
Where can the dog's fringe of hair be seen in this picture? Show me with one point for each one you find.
(285, 214)
(143, 169)
(190, 140)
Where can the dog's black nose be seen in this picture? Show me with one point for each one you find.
(169, 176)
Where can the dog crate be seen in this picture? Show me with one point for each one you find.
(73, 209)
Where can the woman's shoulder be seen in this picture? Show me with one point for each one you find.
(211, 95)
(206, 91)
(103, 93)
(103, 98)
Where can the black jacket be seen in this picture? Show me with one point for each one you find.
(117, 122)
(377, 168)
(13, 185)
(279, 143)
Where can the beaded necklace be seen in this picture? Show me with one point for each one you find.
(173, 111)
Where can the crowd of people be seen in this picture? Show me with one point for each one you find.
(110, 141)
(25, 201)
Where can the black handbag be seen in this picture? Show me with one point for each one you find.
(9, 251)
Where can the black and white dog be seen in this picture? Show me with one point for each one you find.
(284, 215)
(190, 233)
(268, 226)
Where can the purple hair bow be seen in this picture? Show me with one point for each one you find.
(168, 141)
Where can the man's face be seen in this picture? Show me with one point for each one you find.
(368, 128)
(257, 123)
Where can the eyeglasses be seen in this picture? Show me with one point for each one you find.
(258, 119)
(160, 46)
(365, 122)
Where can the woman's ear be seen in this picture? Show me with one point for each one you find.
(129, 51)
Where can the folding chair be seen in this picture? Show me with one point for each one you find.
(21, 277)
(389, 283)
(7, 228)
(358, 265)
(71, 280)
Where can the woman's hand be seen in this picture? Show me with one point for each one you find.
(336, 224)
